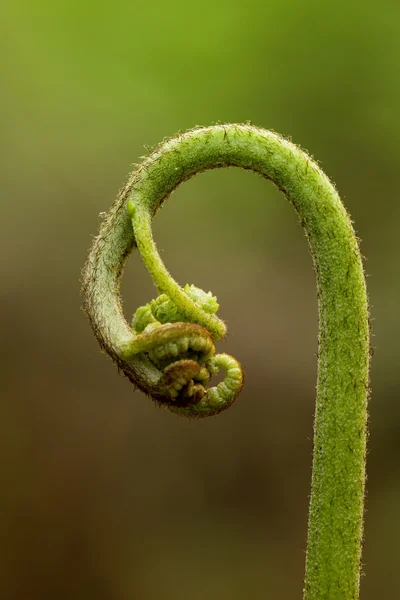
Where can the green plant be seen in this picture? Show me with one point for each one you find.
(169, 354)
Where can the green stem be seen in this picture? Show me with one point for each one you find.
(338, 480)
(141, 221)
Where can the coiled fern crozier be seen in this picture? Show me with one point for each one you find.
(169, 350)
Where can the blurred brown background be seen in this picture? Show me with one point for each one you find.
(104, 496)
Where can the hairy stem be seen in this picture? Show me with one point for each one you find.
(338, 480)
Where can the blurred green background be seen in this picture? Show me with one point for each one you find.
(104, 496)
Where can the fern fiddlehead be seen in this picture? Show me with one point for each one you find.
(184, 353)
(169, 352)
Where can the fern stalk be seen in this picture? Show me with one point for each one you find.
(180, 380)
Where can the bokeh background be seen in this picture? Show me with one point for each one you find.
(103, 495)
